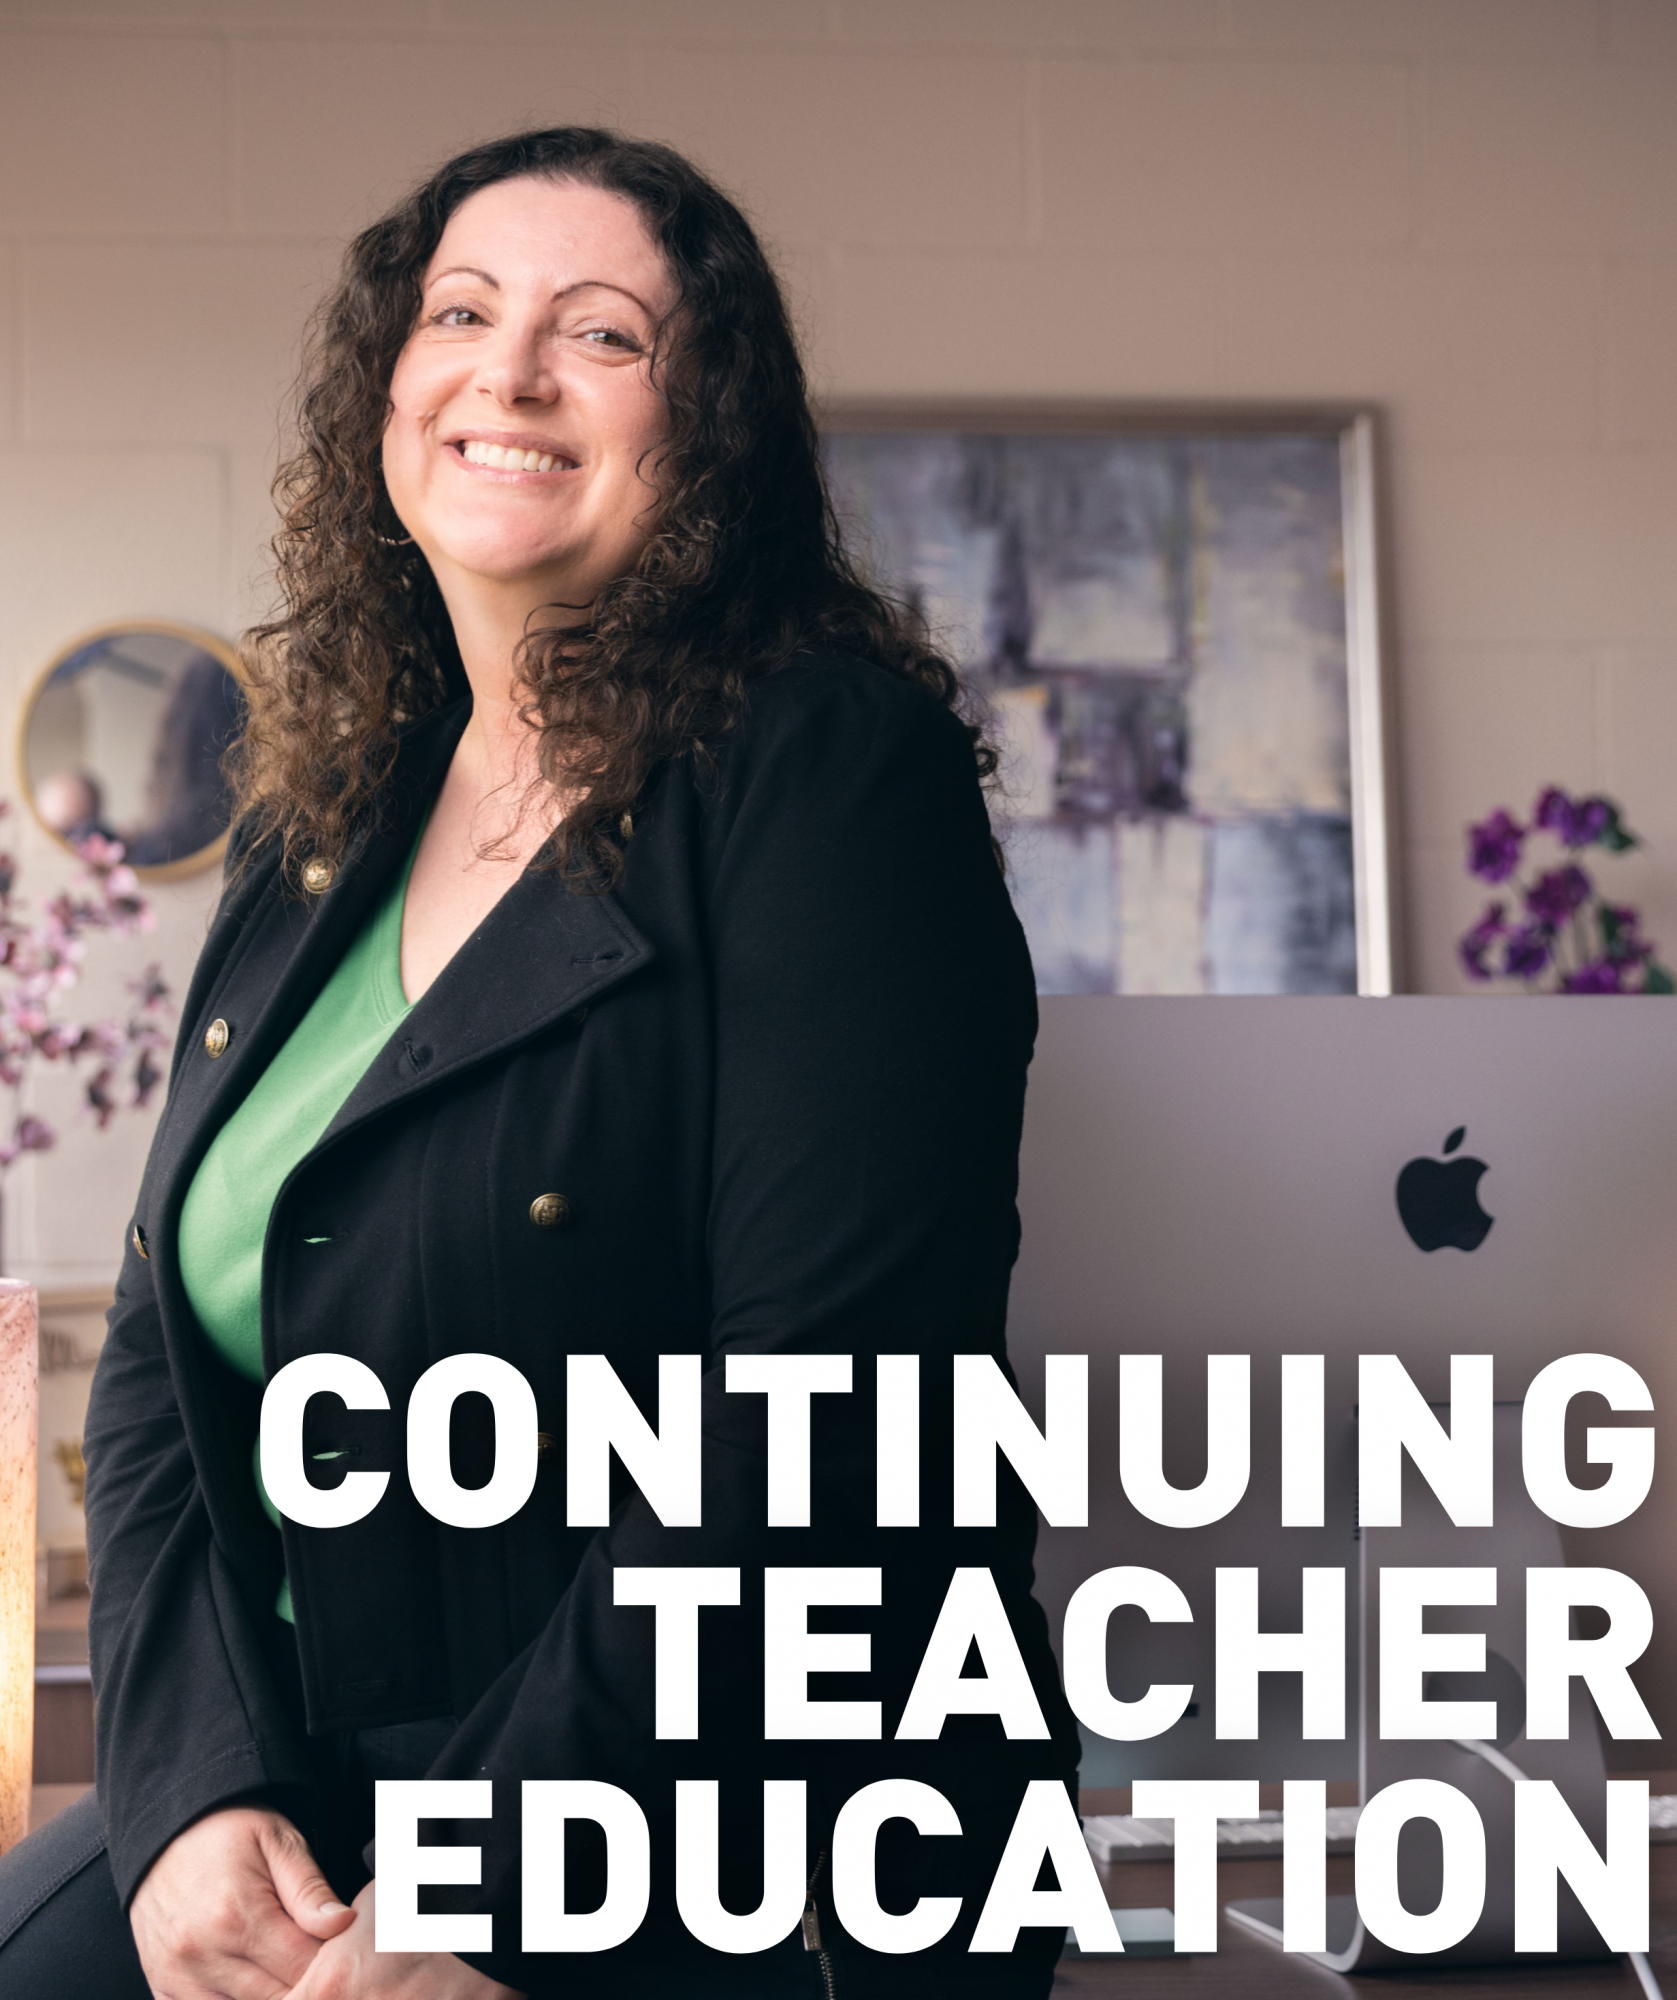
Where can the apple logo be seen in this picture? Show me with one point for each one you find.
(1439, 1200)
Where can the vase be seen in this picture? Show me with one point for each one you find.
(19, 1407)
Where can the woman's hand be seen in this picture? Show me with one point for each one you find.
(349, 1969)
(234, 1908)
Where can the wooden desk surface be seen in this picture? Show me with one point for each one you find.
(1244, 1967)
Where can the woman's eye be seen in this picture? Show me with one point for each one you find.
(455, 316)
(607, 336)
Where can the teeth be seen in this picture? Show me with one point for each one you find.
(505, 458)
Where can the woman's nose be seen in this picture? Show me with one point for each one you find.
(518, 369)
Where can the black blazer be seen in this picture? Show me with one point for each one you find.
(778, 1076)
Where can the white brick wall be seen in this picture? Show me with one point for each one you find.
(1465, 210)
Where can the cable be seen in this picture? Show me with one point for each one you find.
(1645, 1974)
(1492, 1756)
(1509, 1769)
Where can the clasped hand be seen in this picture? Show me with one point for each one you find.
(235, 1908)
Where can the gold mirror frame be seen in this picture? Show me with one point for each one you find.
(193, 635)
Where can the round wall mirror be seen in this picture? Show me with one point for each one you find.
(124, 735)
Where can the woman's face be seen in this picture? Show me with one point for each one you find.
(524, 428)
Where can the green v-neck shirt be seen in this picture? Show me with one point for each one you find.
(224, 1222)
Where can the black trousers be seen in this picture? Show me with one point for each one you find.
(62, 1931)
(64, 1936)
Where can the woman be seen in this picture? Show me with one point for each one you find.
(613, 961)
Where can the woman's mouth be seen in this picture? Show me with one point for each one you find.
(511, 458)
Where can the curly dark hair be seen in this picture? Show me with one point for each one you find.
(745, 568)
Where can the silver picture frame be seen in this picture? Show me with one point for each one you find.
(887, 457)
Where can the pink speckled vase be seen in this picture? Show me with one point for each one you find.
(18, 1412)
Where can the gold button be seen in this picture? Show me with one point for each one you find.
(216, 1037)
(550, 1211)
(318, 875)
(544, 1443)
(140, 1241)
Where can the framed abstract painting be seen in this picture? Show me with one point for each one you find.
(1173, 620)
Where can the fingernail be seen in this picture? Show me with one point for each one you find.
(332, 1909)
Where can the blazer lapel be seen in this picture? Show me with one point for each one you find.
(274, 972)
(543, 950)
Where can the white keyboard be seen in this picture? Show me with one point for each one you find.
(1121, 1837)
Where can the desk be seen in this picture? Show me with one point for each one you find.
(63, 1693)
(1244, 1967)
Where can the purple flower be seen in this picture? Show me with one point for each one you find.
(150, 990)
(1554, 896)
(1573, 822)
(29, 1135)
(1599, 975)
(147, 1076)
(1477, 942)
(98, 853)
(99, 1098)
(1552, 805)
(41, 957)
(1590, 820)
(1528, 952)
(1493, 847)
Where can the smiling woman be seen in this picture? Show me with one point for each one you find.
(692, 445)
(542, 302)
(613, 963)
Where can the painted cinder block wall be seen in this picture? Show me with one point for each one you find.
(1463, 210)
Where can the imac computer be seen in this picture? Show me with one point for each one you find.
(1222, 1176)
